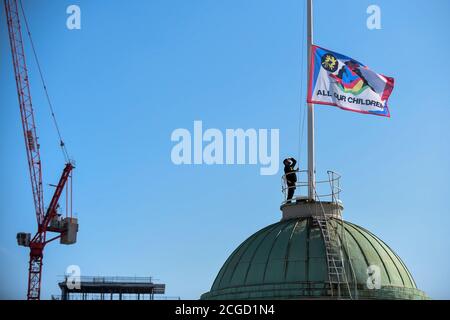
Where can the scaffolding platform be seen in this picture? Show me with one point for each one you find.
(110, 288)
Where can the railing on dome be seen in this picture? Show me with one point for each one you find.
(326, 190)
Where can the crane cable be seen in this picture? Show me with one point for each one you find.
(55, 122)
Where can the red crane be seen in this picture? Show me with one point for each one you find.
(47, 220)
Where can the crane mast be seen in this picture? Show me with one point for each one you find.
(47, 221)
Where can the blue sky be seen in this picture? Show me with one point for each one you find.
(135, 73)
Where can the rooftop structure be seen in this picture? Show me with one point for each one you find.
(111, 288)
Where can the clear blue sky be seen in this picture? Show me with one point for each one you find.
(136, 72)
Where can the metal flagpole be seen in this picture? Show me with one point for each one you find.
(311, 151)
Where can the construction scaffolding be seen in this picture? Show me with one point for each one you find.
(109, 288)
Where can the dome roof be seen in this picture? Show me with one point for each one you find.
(287, 260)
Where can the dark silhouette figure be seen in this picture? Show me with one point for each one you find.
(291, 176)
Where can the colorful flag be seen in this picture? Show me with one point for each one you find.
(340, 81)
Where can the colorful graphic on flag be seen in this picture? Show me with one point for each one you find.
(340, 81)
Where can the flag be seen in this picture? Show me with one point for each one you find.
(340, 81)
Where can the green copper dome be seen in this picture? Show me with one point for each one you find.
(287, 260)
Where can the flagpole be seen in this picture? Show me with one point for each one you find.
(311, 151)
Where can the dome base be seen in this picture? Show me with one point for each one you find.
(312, 291)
